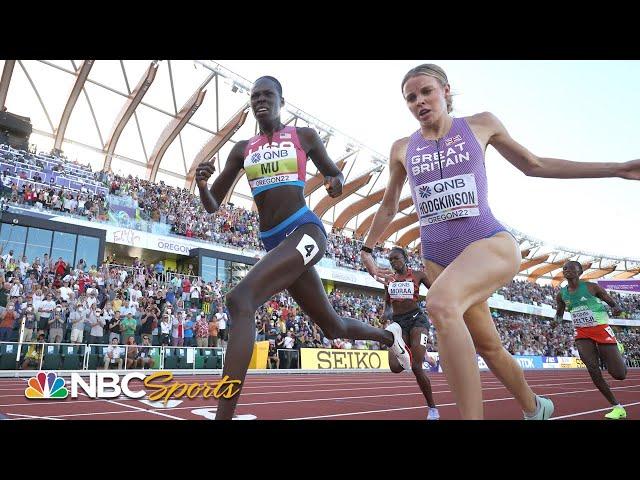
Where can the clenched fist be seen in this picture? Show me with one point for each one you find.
(203, 172)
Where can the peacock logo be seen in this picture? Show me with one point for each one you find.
(46, 385)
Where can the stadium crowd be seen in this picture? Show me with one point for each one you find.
(96, 304)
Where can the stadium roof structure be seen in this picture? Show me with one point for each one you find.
(158, 119)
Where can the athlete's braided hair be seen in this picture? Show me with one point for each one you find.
(402, 251)
(272, 79)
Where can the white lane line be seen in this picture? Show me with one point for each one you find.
(144, 410)
(28, 417)
(592, 411)
(443, 405)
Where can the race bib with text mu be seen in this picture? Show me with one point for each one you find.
(270, 166)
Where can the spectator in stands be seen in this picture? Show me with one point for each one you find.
(113, 355)
(165, 330)
(144, 359)
(170, 296)
(16, 288)
(201, 331)
(33, 357)
(76, 319)
(7, 257)
(65, 291)
(23, 266)
(45, 309)
(188, 331)
(222, 318)
(207, 303)
(148, 321)
(177, 333)
(195, 296)
(30, 325)
(159, 270)
(117, 301)
(60, 267)
(97, 323)
(213, 331)
(7, 320)
(128, 325)
(56, 326)
(114, 327)
(273, 355)
(186, 290)
(260, 331)
(82, 265)
(132, 352)
(4, 295)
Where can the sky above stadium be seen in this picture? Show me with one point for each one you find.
(575, 110)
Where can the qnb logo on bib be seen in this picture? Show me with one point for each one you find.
(269, 166)
(446, 199)
(401, 290)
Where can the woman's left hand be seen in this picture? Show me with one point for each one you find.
(631, 170)
(333, 186)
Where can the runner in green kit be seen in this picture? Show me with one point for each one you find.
(595, 339)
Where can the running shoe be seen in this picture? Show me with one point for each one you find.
(545, 411)
(430, 360)
(399, 348)
(433, 414)
(617, 413)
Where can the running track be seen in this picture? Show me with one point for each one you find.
(365, 396)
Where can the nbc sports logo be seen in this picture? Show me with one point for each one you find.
(46, 385)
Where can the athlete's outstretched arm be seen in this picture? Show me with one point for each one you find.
(560, 308)
(602, 294)
(388, 208)
(534, 166)
(211, 198)
(333, 177)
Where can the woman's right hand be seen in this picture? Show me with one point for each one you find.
(203, 172)
(380, 274)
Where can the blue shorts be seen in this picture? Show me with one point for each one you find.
(272, 238)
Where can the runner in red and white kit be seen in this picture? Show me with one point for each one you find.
(401, 303)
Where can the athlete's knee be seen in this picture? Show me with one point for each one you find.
(441, 311)
(236, 301)
(396, 368)
(490, 352)
(618, 374)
